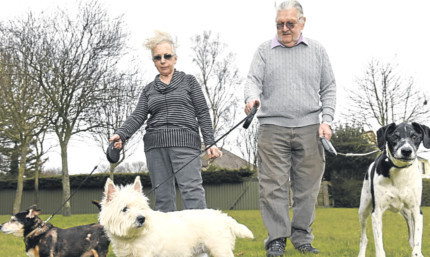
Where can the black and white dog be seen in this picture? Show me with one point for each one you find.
(394, 182)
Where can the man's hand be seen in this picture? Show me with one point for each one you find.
(325, 130)
(251, 104)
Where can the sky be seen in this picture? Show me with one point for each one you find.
(353, 32)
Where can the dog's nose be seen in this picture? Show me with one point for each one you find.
(406, 152)
(140, 220)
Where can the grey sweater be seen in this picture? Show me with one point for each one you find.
(294, 85)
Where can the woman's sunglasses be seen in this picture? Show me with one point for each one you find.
(159, 57)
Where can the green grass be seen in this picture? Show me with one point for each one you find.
(336, 230)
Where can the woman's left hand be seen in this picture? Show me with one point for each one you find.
(214, 152)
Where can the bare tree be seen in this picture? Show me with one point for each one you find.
(74, 59)
(22, 109)
(219, 77)
(383, 96)
(247, 143)
(122, 97)
(39, 161)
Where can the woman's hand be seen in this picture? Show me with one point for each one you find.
(118, 142)
(214, 152)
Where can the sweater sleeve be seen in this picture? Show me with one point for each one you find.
(135, 120)
(254, 80)
(327, 89)
(202, 112)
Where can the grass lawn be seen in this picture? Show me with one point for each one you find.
(336, 230)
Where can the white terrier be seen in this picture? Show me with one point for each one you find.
(136, 230)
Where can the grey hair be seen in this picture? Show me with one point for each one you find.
(291, 4)
(158, 38)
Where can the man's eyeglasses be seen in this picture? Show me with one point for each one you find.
(159, 57)
(290, 25)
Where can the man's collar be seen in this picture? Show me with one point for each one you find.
(276, 43)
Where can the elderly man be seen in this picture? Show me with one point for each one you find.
(292, 81)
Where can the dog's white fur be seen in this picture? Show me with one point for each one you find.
(136, 230)
(400, 192)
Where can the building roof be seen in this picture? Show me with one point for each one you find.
(228, 160)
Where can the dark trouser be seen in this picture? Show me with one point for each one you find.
(296, 155)
(162, 163)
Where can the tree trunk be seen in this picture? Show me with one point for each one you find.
(20, 183)
(36, 180)
(326, 195)
(111, 170)
(65, 180)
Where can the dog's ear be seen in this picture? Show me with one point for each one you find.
(425, 131)
(33, 211)
(137, 184)
(110, 189)
(381, 134)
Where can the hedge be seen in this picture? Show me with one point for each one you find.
(210, 177)
(346, 192)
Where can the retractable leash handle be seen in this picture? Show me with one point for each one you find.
(328, 146)
(250, 116)
(112, 154)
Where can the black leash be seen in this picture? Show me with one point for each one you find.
(247, 121)
(74, 192)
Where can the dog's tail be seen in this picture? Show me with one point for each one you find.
(240, 230)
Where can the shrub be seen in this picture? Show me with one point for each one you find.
(213, 175)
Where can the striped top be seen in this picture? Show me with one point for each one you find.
(176, 111)
(295, 85)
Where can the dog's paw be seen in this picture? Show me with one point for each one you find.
(417, 254)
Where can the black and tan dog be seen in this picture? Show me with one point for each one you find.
(44, 240)
(393, 182)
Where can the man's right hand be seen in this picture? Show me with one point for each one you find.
(251, 104)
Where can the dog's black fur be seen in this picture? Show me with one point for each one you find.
(45, 240)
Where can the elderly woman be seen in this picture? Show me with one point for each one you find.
(177, 108)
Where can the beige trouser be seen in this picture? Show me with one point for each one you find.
(286, 154)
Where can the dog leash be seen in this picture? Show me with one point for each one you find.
(359, 154)
(247, 121)
(74, 192)
(50, 217)
(332, 151)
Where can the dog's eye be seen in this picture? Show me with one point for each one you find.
(124, 209)
(395, 137)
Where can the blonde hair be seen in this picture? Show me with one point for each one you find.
(158, 38)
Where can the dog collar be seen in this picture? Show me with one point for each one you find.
(397, 163)
(38, 229)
